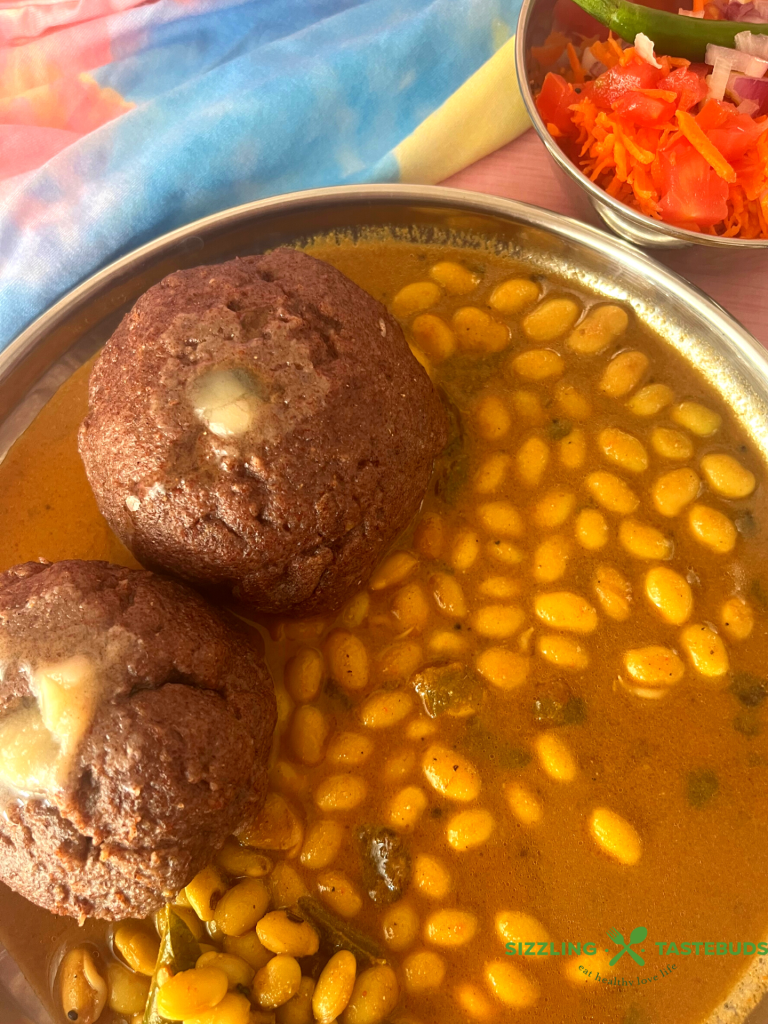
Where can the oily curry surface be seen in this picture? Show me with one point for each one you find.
(543, 721)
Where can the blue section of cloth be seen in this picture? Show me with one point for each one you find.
(233, 103)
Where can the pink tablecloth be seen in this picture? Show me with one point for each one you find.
(523, 170)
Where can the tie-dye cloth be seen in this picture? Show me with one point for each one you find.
(120, 120)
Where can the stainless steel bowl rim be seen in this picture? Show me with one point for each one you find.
(668, 236)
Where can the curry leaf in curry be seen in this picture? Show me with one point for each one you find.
(179, 951)
(548, 710)
(749, 689)
(336, 934)
(702, 786)
(447, 688)
(481, 743)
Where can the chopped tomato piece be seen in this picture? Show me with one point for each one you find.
(689, 86)
(714, 114)
(623, 78)
(736, 136)
(691, 192)
(644, 111)
(553, 101)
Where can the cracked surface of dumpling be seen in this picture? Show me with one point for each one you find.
(135, 727)
(261, 428)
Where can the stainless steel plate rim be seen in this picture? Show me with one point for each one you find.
(438, 195)
(729, 339)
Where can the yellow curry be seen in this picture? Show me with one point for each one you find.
(521, 775)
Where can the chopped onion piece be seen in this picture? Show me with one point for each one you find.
(588, 60)
(691, 14)
(644, 50)
(748, 107)
(753, 44)
(736, 60)
(755, 89)
(718, 80)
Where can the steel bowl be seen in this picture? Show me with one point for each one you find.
(534, 25)
(35, 365)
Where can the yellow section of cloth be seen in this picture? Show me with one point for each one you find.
(485, 113)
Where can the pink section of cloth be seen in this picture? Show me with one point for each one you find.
(523, 170)
(21, 21)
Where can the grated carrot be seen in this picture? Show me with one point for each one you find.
(630, 160)
(699, 140)
(576, 68)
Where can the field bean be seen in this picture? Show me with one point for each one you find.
(413, 298)
(341, 792)
(654, 666)
(240, 907)
(511, 985)
(503, 668)
(374, 996)
(423, 970)
(523, 804)
(393, 570)
(727, 477)
(623, 373)
(514, 295)
(555, 757)
(563, 609)
(650, 400)
(400, 924)
(497, 621)
(385, 708)
(705, 649)
(697, 418)
(492, 418)
(615, 836)
(322, 844)
(561, 651)
(337, 890)
(431, 877)
(670, 593)
(591, 529)
(644, 541)
(673, 491)
(492, 472)
(334, 987)
(573, 449)
(711, 528)
(450, 928)
(671, 444)
(531, 460)
(538, 364)
(737, 618)
(192, 992)
(451, 774)
(551, 319)
(517, 926)
(477, 331)
(277, 982)
(406, 807)
(623, 450)
(469, 829)
(600, 327)
(553, 509)
(612, 492)
(347, 660)
(432, 336)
